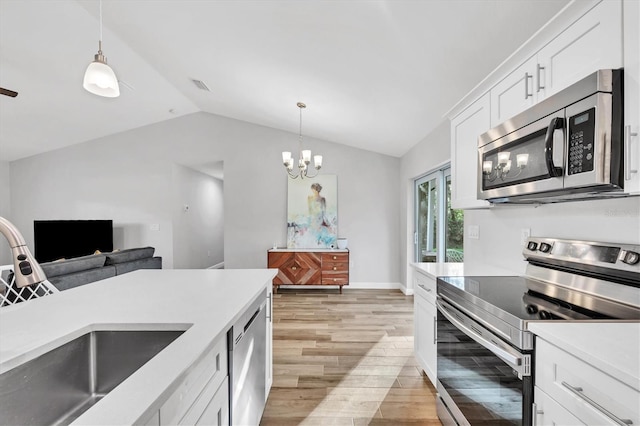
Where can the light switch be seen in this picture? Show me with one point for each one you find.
(473, 232)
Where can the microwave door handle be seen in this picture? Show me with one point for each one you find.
(556, 123)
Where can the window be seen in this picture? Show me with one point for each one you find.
(438, 228)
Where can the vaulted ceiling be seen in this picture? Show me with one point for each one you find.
(377, 75)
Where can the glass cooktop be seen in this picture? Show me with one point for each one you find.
(511, 298)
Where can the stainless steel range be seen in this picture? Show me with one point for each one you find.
(485, 351)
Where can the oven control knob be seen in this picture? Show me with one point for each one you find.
(532, 246)
(532, 309)
(545, 248)
(631, 258)
(544, 315)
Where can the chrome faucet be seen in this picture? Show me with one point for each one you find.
(27, 271)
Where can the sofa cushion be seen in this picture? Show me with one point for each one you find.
(65, 282)
(76, 264)
(147, 263)
(129, 255)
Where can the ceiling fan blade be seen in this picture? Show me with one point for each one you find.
(8, 92)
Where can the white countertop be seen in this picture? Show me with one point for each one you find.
(435, 270)
(611, 347)
(205, 303)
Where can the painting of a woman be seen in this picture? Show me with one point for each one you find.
(316, 225)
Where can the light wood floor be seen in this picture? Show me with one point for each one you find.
(346, 359)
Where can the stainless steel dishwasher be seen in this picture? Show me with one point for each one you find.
(247, 364)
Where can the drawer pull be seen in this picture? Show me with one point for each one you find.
(335, 268)
(536, 412)
(577, 390)
(335, 257)
(294, 268)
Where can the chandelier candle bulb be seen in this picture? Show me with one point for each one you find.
(317, 160)
(286, 157)
(306, 155)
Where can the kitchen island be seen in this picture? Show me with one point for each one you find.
(203, 303)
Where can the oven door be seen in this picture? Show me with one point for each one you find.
(481, 379)
(526, 161)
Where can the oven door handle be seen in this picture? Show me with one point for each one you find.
(516, 360)
(555, 124)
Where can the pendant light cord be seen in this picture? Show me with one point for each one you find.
(100, 20)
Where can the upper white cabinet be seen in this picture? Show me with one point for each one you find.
(592, 42)
(631, 16)
(465, 129)
(514, 94)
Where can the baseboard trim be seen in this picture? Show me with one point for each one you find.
(353, 285)
(217, 266)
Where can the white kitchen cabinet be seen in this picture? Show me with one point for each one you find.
(586, 392)
(592, 42)
(547, 411)
(465, 129)
(425, 324)
(198, 389)
(269, 344)
(216, 410)
(514, 93)
(631, 53)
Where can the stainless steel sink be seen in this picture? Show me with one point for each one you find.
(60, 385)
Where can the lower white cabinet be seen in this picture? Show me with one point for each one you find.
(425, 324)
(585, 392)
(269, 346)
(547, 411)
(206, 384)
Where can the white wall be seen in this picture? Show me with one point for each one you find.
(5, 209)
(427, 155)
(198, 219)
(499, 245)
(128, 177)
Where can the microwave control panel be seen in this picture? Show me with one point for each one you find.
(581, 142)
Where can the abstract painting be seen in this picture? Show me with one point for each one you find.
(312, 212)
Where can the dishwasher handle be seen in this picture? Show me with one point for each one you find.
(252, 319)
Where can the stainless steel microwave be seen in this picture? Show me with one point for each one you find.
(567, 147)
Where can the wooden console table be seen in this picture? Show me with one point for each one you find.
(309, 267)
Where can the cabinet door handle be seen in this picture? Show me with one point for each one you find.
(577, 390)
(527, 95)
(435, 329)
(428, 290)
(535, 412)
(628, 134)
(294, 268)
(538, 68)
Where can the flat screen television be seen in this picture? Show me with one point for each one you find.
(58, 239)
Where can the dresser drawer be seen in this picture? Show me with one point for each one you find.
(335, 267)
(335, 257)
(335, 279)
(587, 392)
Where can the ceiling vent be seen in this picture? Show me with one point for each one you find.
(200, 85)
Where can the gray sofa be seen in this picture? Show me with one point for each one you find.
(69, 273)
